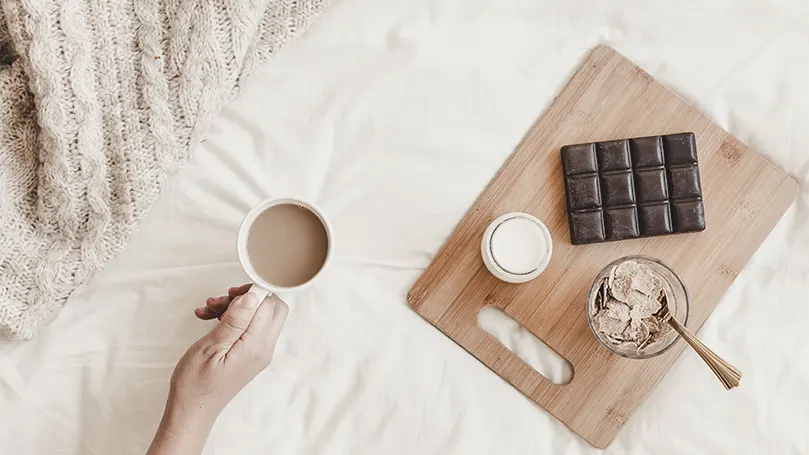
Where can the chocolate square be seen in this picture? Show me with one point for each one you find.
(633, 188)
(650, 185)
(621, 223)
(583, 192)
(613, 155)
(684, 182)
(680, 148)
(588, 227)
(655, 219)
(579, 159)
(617, 189)
(688, 216)
(646, 151)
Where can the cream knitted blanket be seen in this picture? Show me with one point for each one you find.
(100, 102)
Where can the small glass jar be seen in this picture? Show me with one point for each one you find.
(676, 295)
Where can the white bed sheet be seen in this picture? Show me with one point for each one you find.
(392, 116)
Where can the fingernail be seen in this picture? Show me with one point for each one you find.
(250, 300)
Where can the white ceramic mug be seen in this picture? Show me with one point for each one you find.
(260, 287)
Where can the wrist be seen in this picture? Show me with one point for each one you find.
(180, 433)
(182, 413)
(183, 429)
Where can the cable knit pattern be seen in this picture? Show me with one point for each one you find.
(100, 102)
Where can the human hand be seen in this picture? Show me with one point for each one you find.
(216, 367)
(220, 364)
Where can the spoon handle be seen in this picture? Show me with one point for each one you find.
(727, 373)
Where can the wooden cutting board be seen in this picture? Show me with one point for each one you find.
(608, 98)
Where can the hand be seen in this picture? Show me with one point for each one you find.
(218, 366)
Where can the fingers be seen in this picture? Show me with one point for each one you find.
(215, 306)
(267, 325)
(239, 290)
(236, 320)
(204, 313)
(263, 332)
(277, 324)
(261, 322)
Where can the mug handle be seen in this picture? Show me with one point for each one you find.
(260, 292)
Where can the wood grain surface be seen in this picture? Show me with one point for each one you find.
(608, 98)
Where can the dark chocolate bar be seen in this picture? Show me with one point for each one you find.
(633, 188)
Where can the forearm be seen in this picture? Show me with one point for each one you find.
(182, 431)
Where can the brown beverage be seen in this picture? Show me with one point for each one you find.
(287, 245)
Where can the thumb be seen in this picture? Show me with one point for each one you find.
(235, 320)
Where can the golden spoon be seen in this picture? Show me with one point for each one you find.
(727, 373)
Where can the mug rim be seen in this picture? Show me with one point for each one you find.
(244, 228)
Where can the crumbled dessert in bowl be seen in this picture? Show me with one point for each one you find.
(624, 306)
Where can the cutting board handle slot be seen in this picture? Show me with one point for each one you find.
(525, 345)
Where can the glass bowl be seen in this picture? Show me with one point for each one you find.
(676, 295)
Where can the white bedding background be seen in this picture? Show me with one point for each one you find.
(392, 116)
